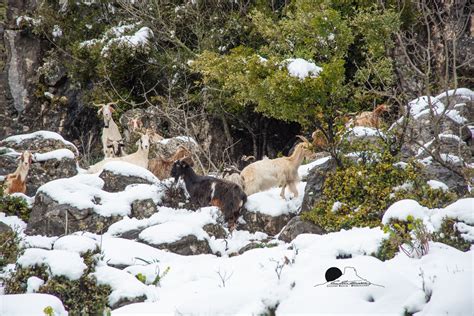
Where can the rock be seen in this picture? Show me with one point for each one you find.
(435, 171)
(38, 142)
(315, 182)
(51, 218)
(215, 230)
(131, 234)
(296, 226)
(143, 208)
(4, 228)
(186, 246)
(115, 182)
(128, 300)
(258, 222)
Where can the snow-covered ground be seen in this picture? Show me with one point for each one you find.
(288, 278)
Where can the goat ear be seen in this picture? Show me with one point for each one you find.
(98, 112)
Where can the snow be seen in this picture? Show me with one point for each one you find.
(57, 154)
(38, 241)
(421, 106)
(30, 304)
(123, 284)
(304, 170)
(400, 210)
(14, 222)
(131, 170)
(170, 232)
(76, 243)
(456, 116)
(39, 134)
(139, 39)
(300, 68)
(185, 139)
(84, 192)
(57, 31)
(435, 184)
(60, 262)
(362, 131)
(464, 92)
(270, 203)
(461, 210)
(33, 284)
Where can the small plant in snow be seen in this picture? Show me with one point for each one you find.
(410, 236)
(224, 277)
(48, 311)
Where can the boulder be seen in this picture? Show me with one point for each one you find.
(4, 228)
(259, 222)
(143, 208)
(215, 230)
(51, 218)
(296, 226)
(186, 246)
(315, 182)
(38, 142)
(116, 182)
(435, 171)
(128, 300)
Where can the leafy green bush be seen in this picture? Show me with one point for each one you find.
(365, 190)
(449, 235)
(11, 205)
(80, 297)
(410, 236)
(9, 247)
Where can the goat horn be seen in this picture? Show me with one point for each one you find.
(112, 103)
(303, 139)
(99, 105)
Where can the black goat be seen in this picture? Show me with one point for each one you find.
(205, 191)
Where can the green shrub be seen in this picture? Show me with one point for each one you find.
(365, 191)
(80, 297)
(9, 247)
(410, 236)
(449, 235)
(12, 205)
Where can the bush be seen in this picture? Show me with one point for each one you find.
(80, 297)
(410, 236)
(364, 191)
(9, 247)
(449, 235)
(11, 205)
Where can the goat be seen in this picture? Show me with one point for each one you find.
(265, 174)
(110, 132)
(369, 118)
(206, 190)
(16, 182)
(139, 158)
(161, 167)
(320, 141)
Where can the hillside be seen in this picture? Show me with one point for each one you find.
(236, 157)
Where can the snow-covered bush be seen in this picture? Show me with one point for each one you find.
(358, 195)
(449, 234)
(410, 236)
(77, 300)
(14, 205)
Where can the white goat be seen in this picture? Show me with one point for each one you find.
(267, 173)
(111, 137)
(139, 158)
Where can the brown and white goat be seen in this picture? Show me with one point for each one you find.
(139, 158)
(206, 190)
(371, 119)
(161, 167)
(265, 174)
(16, 182)
(111, 137)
